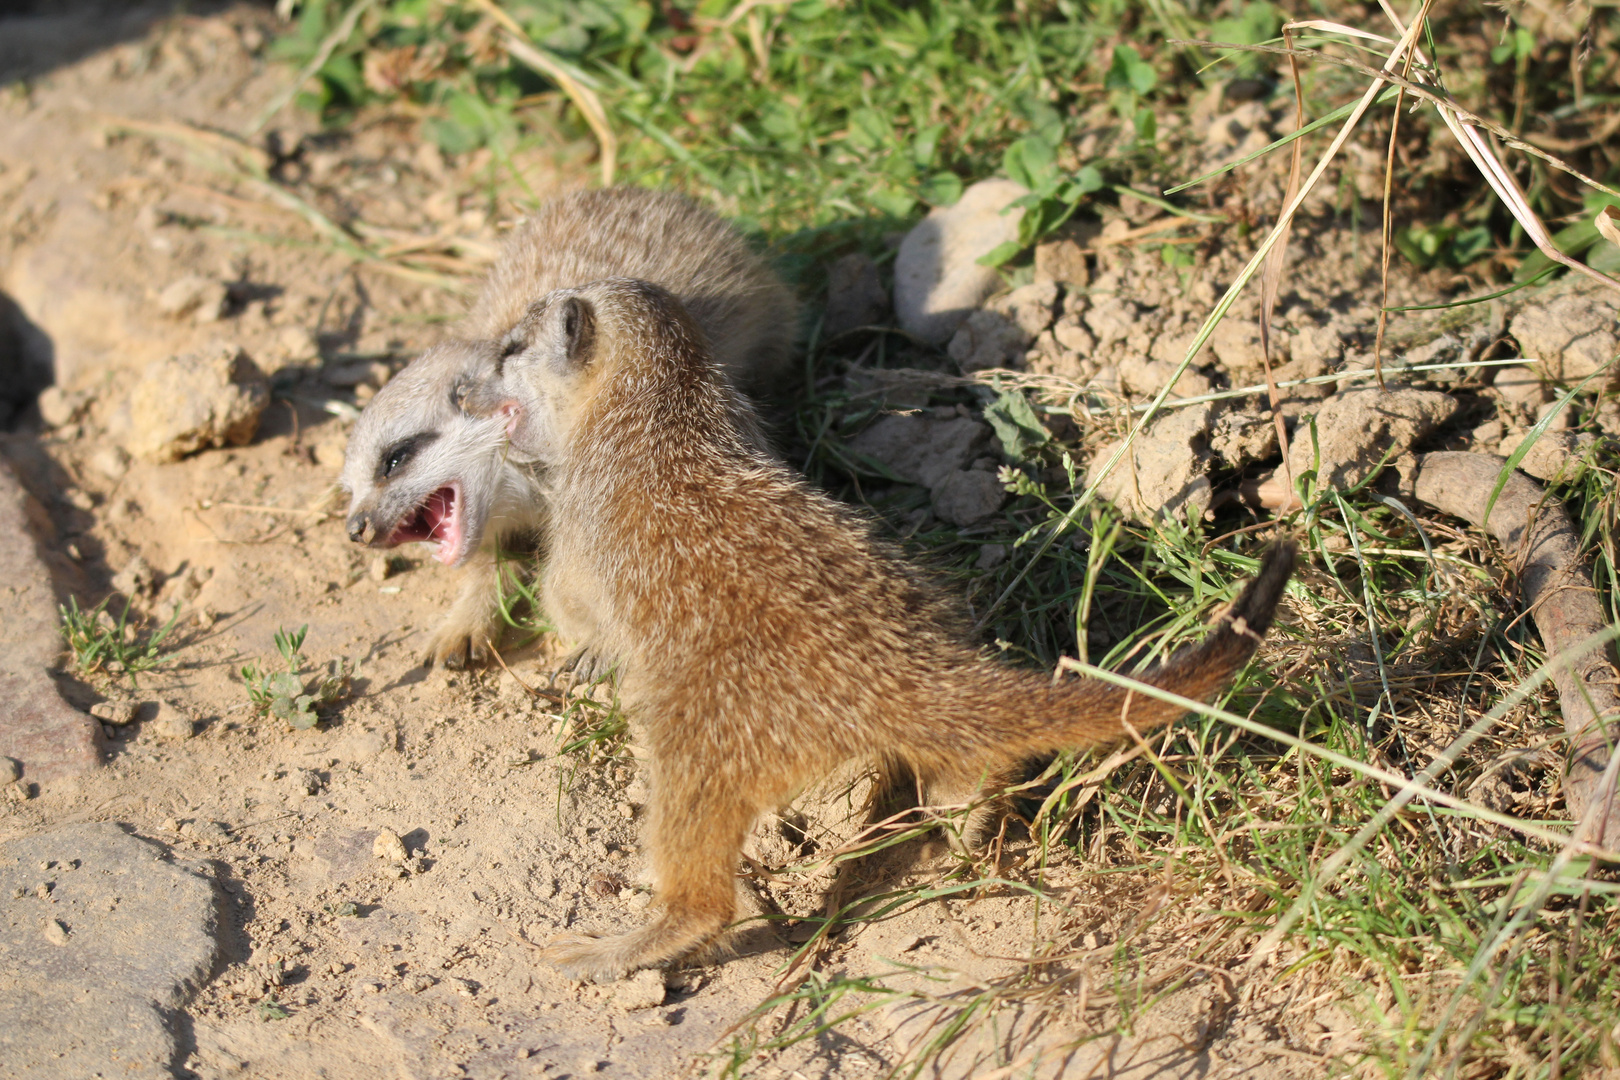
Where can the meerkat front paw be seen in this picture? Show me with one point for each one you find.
(455, 648)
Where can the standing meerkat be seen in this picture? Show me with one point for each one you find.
(765, 636)
(419, 469)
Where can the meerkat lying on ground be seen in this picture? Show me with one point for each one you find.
(765, 636)
(418, 468)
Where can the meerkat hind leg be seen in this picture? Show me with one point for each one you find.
(694, 838)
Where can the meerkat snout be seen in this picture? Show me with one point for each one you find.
(361, 528)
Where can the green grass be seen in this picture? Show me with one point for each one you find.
(1466, 947)
(98, 642)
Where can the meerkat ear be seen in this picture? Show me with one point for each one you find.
(578, 323)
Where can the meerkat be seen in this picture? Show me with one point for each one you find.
(766, 636)
(419, 469)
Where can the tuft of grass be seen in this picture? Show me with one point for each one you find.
(289, 695)
(100, 643)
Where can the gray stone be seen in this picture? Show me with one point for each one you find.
(1570, 336)
(966, 496)
(938, 281)
(37, 728)
(90, 971)
(923, 449)
(1163, 472)
(192, 402)
(1356, 429)
(937, 453)
(988, 339)
(855, 296)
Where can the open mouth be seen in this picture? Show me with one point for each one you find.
(437, 521)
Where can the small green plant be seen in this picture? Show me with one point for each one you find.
(100, 642)
(288, 694)
(270, 1009)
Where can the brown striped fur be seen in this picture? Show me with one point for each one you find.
(766, 636)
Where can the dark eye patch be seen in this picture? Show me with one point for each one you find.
(401, 452)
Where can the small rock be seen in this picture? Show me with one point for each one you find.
(1488, 435)
(1072, 334)
(367, 986)
(1063, 262)
(55, 932)
(1236, 344)
(111, 462)
(379, 568)
(991, 556)
(965, 497)
(58, 407)
(1110, 319)
(1521, 387)
(1240, 439)
(10, 770)
(196, 296)
(1570, 336)
(923, 449)
(1030, 306)
(1355, 429)
(938, 281)
(987, 339)
(1163, 473)
(135, 579)
(643, 990)
(855, 296)
(292, 345)
(1555, 455)
(18, 791)
(117, 713)
(191, 402)
(171, 723)
(1144, 377)
(389, 846)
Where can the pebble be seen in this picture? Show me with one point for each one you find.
(10, 770)
(938, 281)
(171, 723)
(389, 846)
(643, 990)
(117, 713)
(55, 932)
(380, 568)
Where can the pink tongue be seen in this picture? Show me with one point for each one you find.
(442, 532)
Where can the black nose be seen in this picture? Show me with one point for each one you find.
(358, 528)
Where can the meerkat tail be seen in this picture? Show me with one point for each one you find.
(1029, 715)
